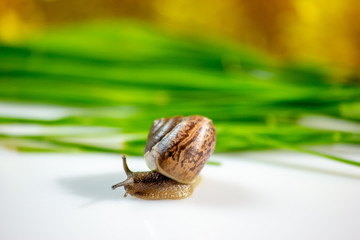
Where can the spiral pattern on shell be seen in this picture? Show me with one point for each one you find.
(179, 147)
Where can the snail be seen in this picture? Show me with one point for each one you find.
(176, 150)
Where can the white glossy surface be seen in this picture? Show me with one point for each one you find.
(265, 195)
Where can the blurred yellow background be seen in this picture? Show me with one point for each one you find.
(321, 31)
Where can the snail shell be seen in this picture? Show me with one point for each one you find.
(179, 147)
(176, 151)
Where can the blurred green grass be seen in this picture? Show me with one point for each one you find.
(254, 101)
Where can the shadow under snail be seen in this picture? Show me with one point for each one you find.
(176, 150)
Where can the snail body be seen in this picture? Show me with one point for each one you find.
(177, 149)
(153, 186)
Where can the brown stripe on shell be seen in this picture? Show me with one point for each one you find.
(182, 151)
(159, 129)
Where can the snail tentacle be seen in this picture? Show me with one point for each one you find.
(123, 183)
(129, 173)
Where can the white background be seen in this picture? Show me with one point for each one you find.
(262, 195)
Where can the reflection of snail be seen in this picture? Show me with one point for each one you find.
(177, 149)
